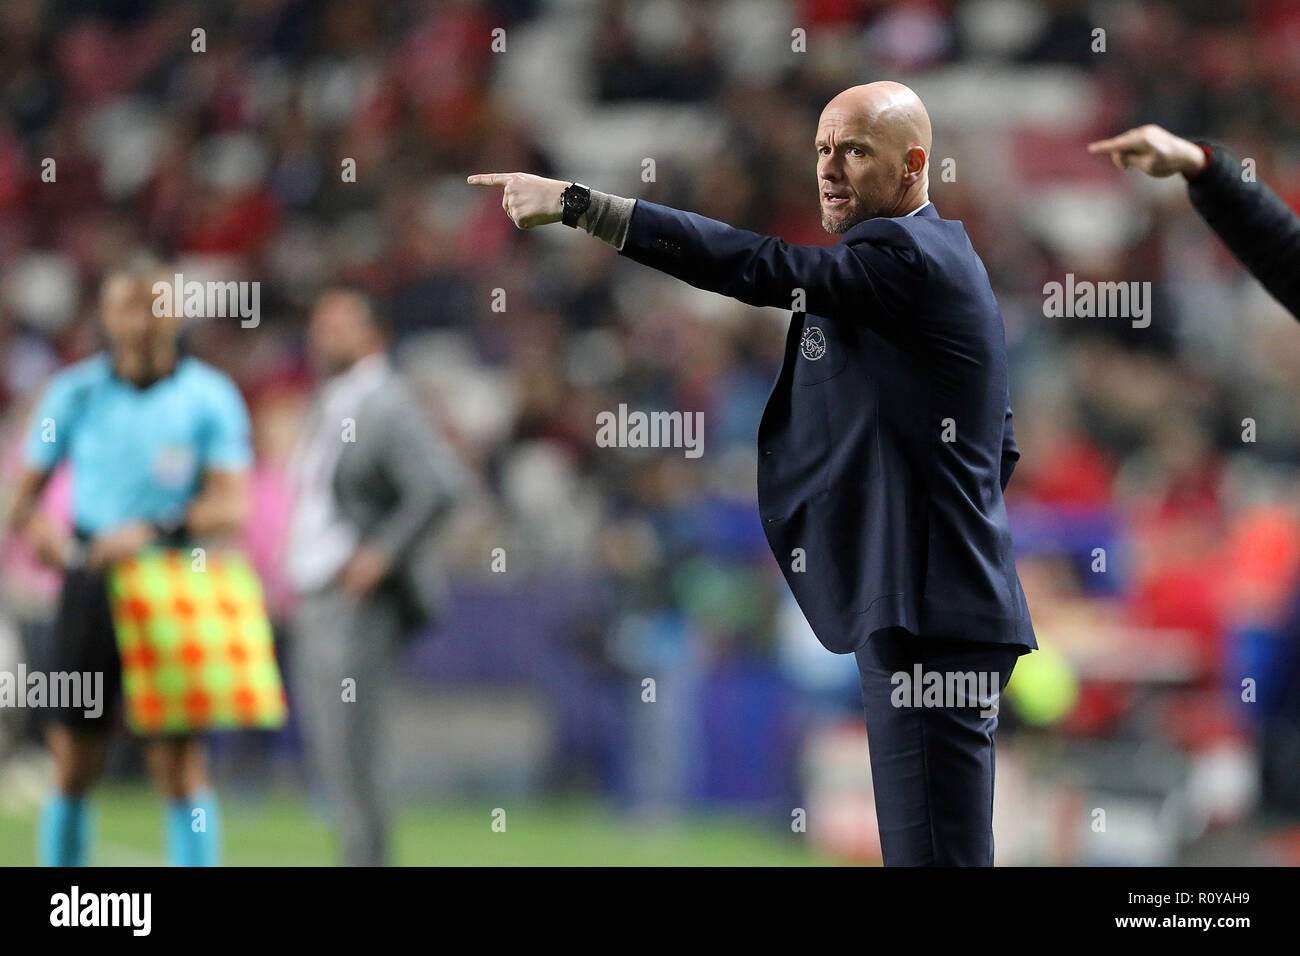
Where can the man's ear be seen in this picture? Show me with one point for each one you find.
(914, 163)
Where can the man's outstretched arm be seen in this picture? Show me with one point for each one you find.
(757, 270)
(1258, 227)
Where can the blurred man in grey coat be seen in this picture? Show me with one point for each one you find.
(372, 481)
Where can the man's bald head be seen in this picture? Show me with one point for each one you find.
(873, 147)
(890, 108)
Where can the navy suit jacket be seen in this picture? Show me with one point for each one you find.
(886, 442)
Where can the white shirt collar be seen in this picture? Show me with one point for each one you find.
(359, 376)
(918, 209)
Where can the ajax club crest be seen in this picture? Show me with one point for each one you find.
(813, 345)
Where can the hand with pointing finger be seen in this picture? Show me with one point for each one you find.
(1153, 150)
(528, 200)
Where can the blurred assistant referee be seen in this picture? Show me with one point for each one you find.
(884, 448)
(158, 445)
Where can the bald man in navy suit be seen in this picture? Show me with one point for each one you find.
(884, 449)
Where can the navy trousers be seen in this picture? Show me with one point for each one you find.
(932, 762)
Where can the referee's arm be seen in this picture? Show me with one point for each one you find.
(222, 506)
(53, 419)
(51, 544)
(219, 510)
(223, 503)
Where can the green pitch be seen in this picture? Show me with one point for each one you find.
(280, 831)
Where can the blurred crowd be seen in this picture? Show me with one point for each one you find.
(1157, 503)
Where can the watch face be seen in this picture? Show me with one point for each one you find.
(575, 200)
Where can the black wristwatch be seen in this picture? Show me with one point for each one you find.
(573, 203)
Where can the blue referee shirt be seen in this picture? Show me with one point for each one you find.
(138, 454)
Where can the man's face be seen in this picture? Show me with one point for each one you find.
(338, 331)
(859, 176)
(127, 307)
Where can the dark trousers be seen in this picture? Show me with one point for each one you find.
(932, 761)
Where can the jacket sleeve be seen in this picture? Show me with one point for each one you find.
(866, 276)
(1010, 450)
(1258, 227)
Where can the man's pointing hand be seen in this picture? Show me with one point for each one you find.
(1152, 149)
(528, 200)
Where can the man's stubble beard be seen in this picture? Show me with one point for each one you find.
(836, 227)
(330, 364)
(852, 217)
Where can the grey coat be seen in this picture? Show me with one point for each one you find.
(396, 483)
